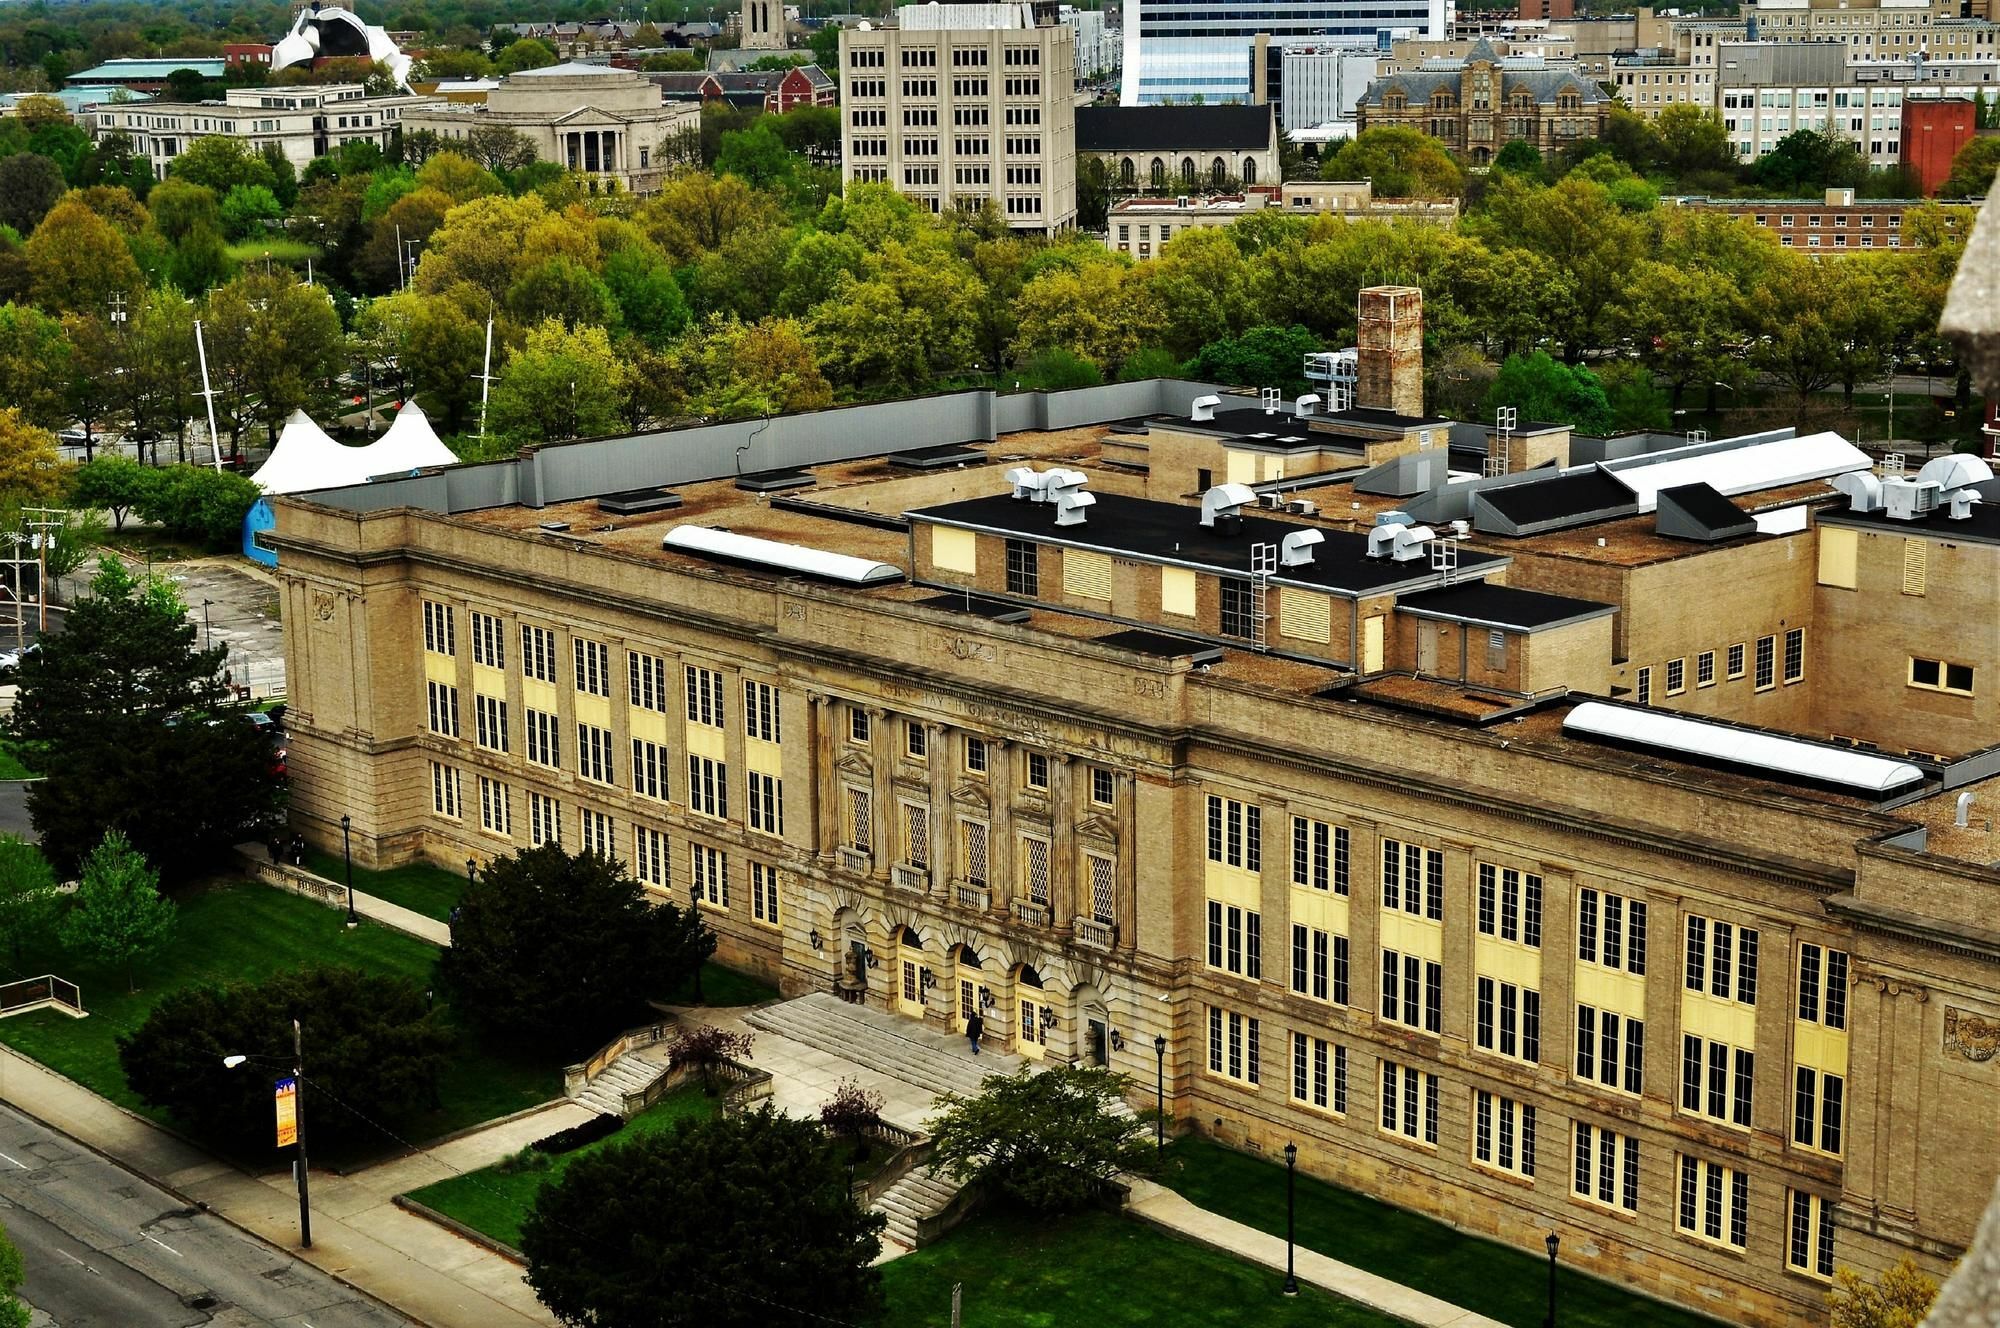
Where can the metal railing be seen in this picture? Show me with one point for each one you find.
(39, 992)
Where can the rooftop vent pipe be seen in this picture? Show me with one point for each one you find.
(1064, 488)
(1964, 809)
(1382, 539)
(1961, 501)
(1204, 407)
(1027, 483)
(1409, 543)
(1863, 490)
(1297, 549)
(1306, 405)
(1224, 504)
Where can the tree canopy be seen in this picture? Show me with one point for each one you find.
(1047, 1141)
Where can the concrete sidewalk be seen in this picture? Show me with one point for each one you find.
(321, 890)
(1166, 1209)
(359, 1236)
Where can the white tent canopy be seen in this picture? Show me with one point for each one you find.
(306, 458)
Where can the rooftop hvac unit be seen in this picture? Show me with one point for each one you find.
(1863, 490)
(1222, 506)
(1382, 539)
(1297, 549)
(1302, 507)
(1907, 500)
(1961, 503)
(1204, 408)
(1409, 543)
(1393, 518)
(1064, 488)
(1306, 405)
(1027, 482)
(1956, 470)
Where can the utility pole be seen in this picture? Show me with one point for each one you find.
(486, 377)
(51, 521)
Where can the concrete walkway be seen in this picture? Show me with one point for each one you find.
(320, 889)
(1166, 1209)
(359, 1236)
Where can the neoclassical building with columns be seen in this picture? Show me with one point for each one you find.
(606, 123)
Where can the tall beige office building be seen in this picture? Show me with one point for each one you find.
(962, 104)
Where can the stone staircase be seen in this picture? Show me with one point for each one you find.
(903, 1049)
(916, 1196)
(605, 1094)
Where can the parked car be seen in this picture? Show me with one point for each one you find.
(10, 661)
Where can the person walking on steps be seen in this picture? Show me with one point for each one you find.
(975, 1028)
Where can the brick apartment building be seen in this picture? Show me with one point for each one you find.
(1933, 133)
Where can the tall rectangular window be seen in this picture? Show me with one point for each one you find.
(489, 640)
(544, 734)
(489, 715)
(444, 790)
(1239, 611)
(1412, 991)
(1795, 654)
(1413, 879)
(496, 812)
(649, 857)
(443, 698)
(1319, 855)
(1319, 1073)
(1023, 569)
(646, 682)
(767, 803)
(859, 823)
(1717, 1080)
(1714, 1202)
(764, 893)
(544, 819)
(1235, 833)
(1730, 951)
(708, 787)
(1510, 904)
(1233, 1046)
(1508, 1020)
(1035, 869)
(1101, 875)
(1823, 986)
(1235, 939)
(596, 828)
(649, 769)
(1606, 1167)
(760, 711)
(593, 754)
(1810, 1249)
(1319, 964)
(1611, 930)
(1409, 1103)
(1818, 1106)
(1503, 1133)
(593, 666)
(708, 876)
(440, 628)
(973, 852)
(1766, 662)
(1607, 1041)
(704, 697)
(538, 654)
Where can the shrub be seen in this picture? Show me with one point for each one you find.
(851, 1110)
(531, 1158)
(704, 1048)
(1048, 1141)
(601, 1126)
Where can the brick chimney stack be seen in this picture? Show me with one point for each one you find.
(1390, 365)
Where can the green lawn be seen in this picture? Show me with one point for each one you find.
(245, 932)
(275, 247)
(496, 1202)
(11, 766)
(1476, 1274)
(1098, 1269)
(723, 988)
(431, 891)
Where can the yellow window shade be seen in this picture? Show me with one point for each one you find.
(1836, 557)
(1304, 615)
(954, 550)
(1177, 591)
(1086, 575)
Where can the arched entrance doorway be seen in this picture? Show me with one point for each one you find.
(913, 974)
(850, 955)
(973, 989)
(1034, 1014)
(1093, 1022)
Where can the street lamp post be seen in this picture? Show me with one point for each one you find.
(1160, 1094)
(206, 637)
(1291, 1214)
(347, 855)
(1554, 1242)
(298, 1127)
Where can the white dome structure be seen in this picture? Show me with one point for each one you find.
(327, 32)
(408, 444)
(306, 458)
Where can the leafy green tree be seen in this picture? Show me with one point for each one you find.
(197, 502)
(30, 184)
(410, 219)
(1693, 140)
(13, 1314)
(441, 351)
(1056, 369)
(1520, 157)
(563, 383)
(30, 908)
(614, 1241)
(1152, 362)
(376, 1049)
(1637, 404)
(34, 363)
(499, 148)
(1807, 161)
(563, 290)
(904, 325)
(1900, 1298)
(200, 262)
(1547, 391)
(246, 208)
(557, 950)
(77, 261)
(730, 370)
(222, 164)
(95, 702)
(649, 300)
(1972, 169)
(118, 916)
(1264, 356)
(1047, 1141)
(527, 53)
(1686, 320)
(757, 156)
(181, 206)
(30, 469)
(1400, 161)
(1581, 229)
(275, 346)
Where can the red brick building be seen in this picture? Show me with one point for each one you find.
(774, 90)
(237, 54)
(1552, 9)
(1934, 129)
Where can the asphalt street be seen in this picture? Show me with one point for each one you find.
(106, 1249)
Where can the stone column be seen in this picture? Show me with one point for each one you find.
(1062, 841)
(1000, 867)
(822, 788)
(1125, 905)
(944, 826)
(732, 752)
(888, 834)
